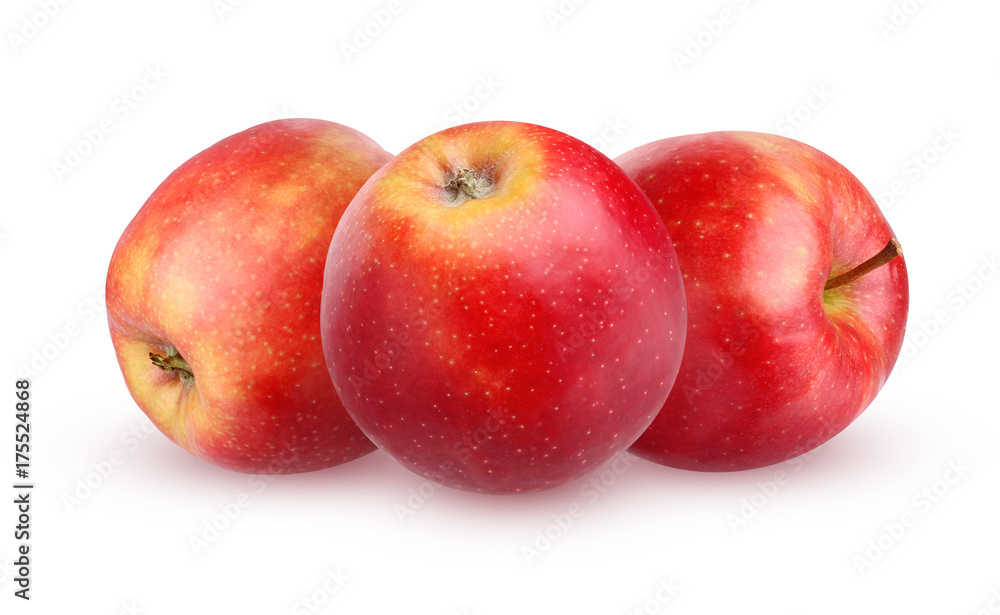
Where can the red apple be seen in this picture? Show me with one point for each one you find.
(502, 309)
(782, 351)
(213, 297)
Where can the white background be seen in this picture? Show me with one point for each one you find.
(872, 97)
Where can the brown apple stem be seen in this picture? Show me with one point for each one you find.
(467, 185)
(889, 252)
(173, 363)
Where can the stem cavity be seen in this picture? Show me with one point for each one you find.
(889, 252)
(173, 363)
(468, 184)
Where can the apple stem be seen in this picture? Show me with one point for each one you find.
(467, 185)
(889, 252)
(173, 363)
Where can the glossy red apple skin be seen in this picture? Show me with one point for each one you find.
(773, 366)
(509, 343)
(224, 265)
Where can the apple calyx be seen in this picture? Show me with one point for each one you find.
(173, 363)
(468, 184)
(889, 252)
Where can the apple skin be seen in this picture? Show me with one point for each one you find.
(511, 342)
(774, 365)
(223, 265)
